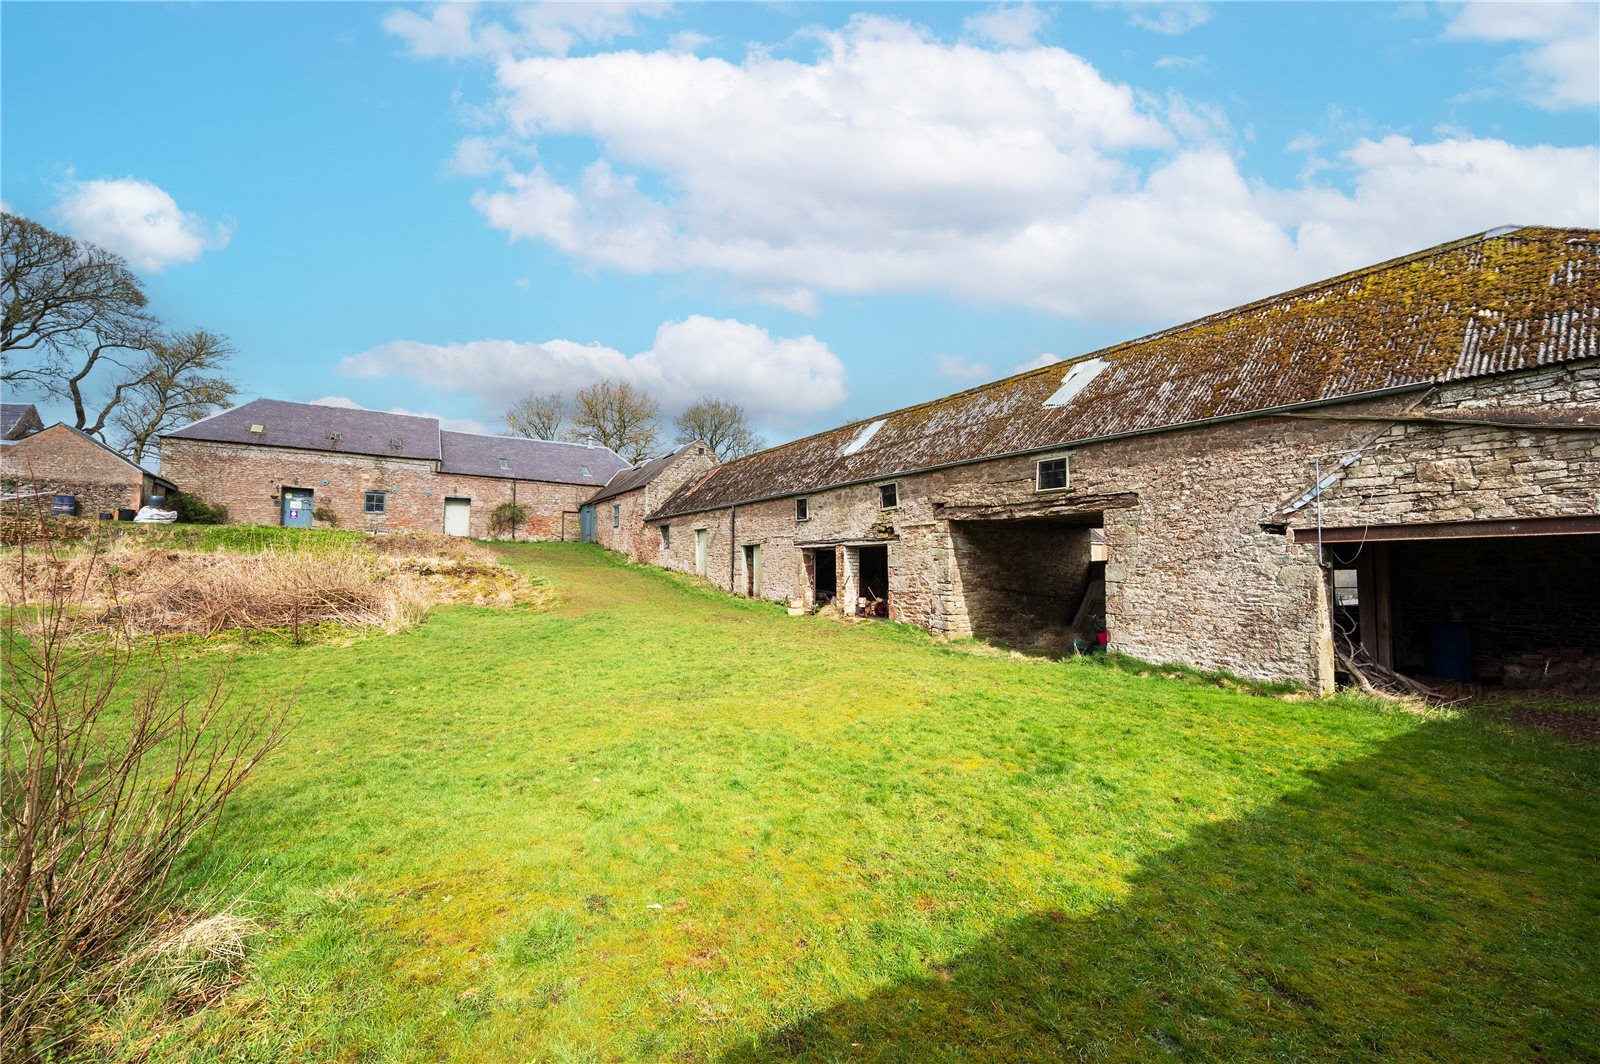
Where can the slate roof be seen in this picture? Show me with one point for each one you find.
(635, 477)
(1500, 301)
(474, 454)
(311, 427)
(12, 415)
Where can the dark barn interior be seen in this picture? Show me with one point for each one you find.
(1513, 611)
(1026, 581)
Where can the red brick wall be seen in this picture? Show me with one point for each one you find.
(248, 481)
(61, 462)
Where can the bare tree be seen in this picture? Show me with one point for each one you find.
(71, 309)
(177, 384)
(620, 416)
(538, 417)
(113, 767)
(723, 425)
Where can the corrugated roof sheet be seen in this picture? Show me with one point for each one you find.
(319, 428)
(475, 454)
(1487, 304)
(638, 476)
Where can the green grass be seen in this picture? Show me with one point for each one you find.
(656, 823)
(242, 539)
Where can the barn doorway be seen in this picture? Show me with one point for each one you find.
(1034, 583)
(822, 563)
(872, 581)
(1506, 613)
(752, 570)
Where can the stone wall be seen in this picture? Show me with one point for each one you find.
(58, 461)
(631, 534)
(249, 481)
(1198, 569)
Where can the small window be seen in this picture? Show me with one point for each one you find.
(700, 450)
(616, 515)
(586, 471)
(374, 502)
(666, 537)
(1051, 474)
(888, 496)
(802, 509)
(504, 464)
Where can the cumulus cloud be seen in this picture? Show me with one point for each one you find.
(1561, 53)
(1168, 18)
(454, 30)
(139, 221)
(1009, 25)
(780, 381)
(454, 424)
(956, 368)
(893, 161)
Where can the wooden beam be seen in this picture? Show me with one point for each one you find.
(1059, 506)
(1580, 525)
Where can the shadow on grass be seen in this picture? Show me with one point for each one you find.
(1436, 900)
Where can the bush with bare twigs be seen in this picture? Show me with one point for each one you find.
(113, 766)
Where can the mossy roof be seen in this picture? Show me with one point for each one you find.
(1492, 303)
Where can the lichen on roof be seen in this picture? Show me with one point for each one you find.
(1487, 304)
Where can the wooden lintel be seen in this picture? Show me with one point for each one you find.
(1070, 506)
(1579, 525)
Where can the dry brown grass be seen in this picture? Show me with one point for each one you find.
(387, 582)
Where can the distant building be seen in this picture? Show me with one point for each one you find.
(37, 464)
(274, 462)
(615, 516)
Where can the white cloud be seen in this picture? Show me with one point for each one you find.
(1561, 57)
(892, 161)
(780, 381)
(687, 41)
(454, 424)
(139, 221)
(1180, 62)
(956, 368)
(454, 31)
(1168, 18)
(1008, 25)
(1037, 362)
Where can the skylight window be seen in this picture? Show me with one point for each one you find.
(863, 437)
(1076, 380)
(504, 464)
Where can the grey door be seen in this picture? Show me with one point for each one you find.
(296, 508)
(586, 524)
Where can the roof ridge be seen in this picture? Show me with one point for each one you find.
(529, 439)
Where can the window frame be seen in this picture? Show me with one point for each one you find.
(616, 515)
(1066, 472)
(892, 486)
(666, 537)
(366, 502)
(802, 508)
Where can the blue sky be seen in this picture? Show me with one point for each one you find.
(820, 210)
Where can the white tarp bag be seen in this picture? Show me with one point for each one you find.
(149, 515)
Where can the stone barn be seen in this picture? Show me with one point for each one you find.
(273, 462)
(1403, 459)
(617, 511)
(38, 464)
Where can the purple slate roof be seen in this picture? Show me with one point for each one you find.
(319, 428)
(474, 454)
(12, 415)
(634, 477)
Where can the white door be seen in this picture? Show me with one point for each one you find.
(458, 517)
(700, 551)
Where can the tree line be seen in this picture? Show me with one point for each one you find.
(626, 419)
(77, 326)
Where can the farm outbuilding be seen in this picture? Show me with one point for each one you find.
(1192, 495)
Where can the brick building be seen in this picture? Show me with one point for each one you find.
(273, 462)
(617, 512)
(1406, 453)
(40, 462)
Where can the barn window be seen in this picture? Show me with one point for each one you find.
(374, 502)
(1050, 474)
(666, 537)
(616, 515)
(889, 495)
(504, 464)
(802, 509)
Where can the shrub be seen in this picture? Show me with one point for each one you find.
(194, 510)
(326, 515)
(114, 766)
(506, 517)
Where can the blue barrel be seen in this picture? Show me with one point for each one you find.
(64, 504)
(1448, 654)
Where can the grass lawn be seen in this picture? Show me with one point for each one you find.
(657, 823)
